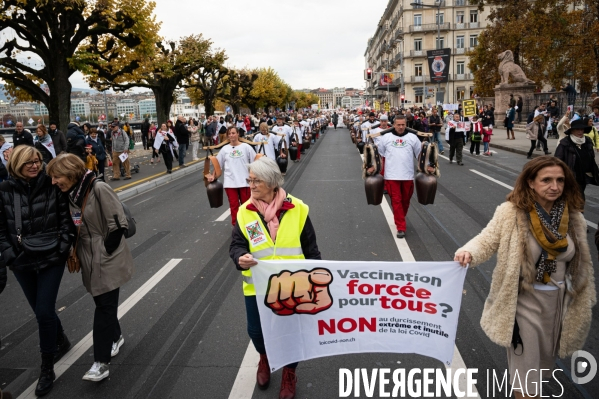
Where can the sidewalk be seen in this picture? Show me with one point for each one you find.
(520, 145)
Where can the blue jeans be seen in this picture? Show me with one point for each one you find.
(485, 146)
(182, 151)
(41, 289)
(437, 138)
(254, 327)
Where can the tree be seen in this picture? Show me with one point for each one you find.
(550, 40)
(269, 90)
(206, 84)
(163, 72)
(237, 87)
(53, 31)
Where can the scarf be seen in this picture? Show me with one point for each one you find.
(4, 147)
(47, 142)
(550, 230)
(79, 190)
(577, 140)
(269, 211)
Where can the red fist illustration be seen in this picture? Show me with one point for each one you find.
(302, 292)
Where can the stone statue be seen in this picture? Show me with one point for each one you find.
(507, 67)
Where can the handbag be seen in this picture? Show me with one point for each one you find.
(73, 263)
(39, 244)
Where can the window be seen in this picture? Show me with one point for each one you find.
(439, 19)
(460, 68)
(473, 16)
(473, 41)
(459, 17)
(459, 42)
(417, 19)
(418, 5)
(417, 98)
(460, 93)
(418, 70)
(417, 44)
(440, 42)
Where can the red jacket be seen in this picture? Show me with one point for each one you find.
(248, 124)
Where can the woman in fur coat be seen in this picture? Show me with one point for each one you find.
(543, 288)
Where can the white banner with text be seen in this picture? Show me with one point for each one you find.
(312, 308)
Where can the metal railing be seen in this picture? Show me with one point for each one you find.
(459, 2)
(462, 76)
(398, 33)
(429, 27)
(397, 57)
(473, 25)
(461, 50)
(415, 79)
(417, 53)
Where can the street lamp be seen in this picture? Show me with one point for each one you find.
(438, 20)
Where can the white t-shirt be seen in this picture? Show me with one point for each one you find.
(399, 153)
(365, 129)
(269, 149)
(377, 130)
(240, 125)
(299, 131)
(285, 130)
(234, 162)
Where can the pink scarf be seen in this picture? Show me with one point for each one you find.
(269, 211)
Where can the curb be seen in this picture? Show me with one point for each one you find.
(515, 150)
(150, 185)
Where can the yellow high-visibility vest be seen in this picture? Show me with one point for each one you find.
(288, 245)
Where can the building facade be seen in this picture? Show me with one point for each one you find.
(127, 107)
(404, 34)
(147, 108)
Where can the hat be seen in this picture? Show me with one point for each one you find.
(371, 114)
(581, 123)
(384, 118)
(88, 146)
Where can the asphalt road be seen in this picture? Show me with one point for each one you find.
(183, 316)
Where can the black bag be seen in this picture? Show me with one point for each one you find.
(40, 244)
(506, 121)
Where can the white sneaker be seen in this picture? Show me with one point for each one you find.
(116, 346)
(98, 372)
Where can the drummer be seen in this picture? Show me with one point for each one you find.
(297, 130)
(283, 129)
(366, 126)
(273, 140)
(234, 159)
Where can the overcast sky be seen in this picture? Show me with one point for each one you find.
(310, 43)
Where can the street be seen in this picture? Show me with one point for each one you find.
(183, 314)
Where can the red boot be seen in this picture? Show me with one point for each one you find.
(288, 384)
(263, 373)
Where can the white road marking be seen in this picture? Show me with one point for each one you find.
(143, 201)
(589, 223)
(224, 216)
(243, 388)
(82, 346)
(407, 256)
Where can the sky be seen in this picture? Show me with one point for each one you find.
(310, 43)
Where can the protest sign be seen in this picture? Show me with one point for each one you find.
(310, 309)
(469, 107)
(123, 157)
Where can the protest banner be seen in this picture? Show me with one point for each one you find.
(310, 309)
(469, 107)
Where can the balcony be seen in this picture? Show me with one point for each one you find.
(460, 25)
(398, 33)
(419, 79)
(397, 57)
(463, 76)
(429, 27)
(417, 53)
(459, 2)
(461, 50)
(474, 25)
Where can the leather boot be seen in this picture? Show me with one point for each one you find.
(47, 376)
(288, 384)
(63, 345)
(263, 373)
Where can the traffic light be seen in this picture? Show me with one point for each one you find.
(403, 98)
(369, 74)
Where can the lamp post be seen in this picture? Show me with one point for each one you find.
(438, 7)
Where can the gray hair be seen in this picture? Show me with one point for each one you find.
(266, 169)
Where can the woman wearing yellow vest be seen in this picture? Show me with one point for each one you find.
(272, 225)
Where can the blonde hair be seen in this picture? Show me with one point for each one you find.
(18, 157)
(264, 127)
(66, 165)
(2, 139)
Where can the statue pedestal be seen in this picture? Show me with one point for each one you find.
(502, 98)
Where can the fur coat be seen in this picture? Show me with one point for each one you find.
(507, 235)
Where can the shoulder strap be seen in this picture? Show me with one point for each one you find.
(18, 221)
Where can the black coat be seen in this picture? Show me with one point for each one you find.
(569, 152)
(44, 208)
(59, 140)
(76, 141)
(240, 246)
(24, 138)
(181, 133)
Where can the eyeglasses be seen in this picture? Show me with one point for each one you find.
(254, 181)
(31, 163)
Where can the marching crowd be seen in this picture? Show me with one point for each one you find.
(54, 193)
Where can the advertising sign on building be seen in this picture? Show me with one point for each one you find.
(438, 64)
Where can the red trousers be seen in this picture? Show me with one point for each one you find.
(237, 196)
(400, 192)
(299, 151)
